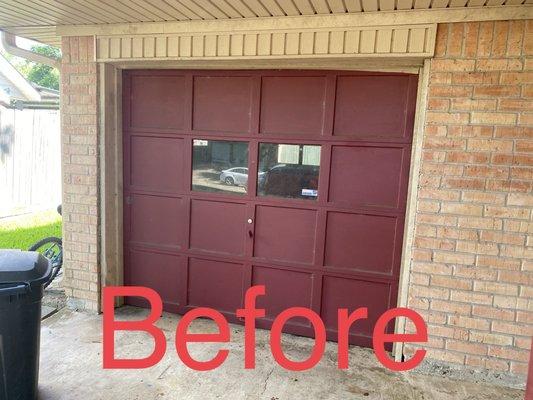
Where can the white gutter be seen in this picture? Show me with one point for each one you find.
(10, 45)
(18, 81)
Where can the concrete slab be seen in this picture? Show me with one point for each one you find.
(71, 369)
(47, 311)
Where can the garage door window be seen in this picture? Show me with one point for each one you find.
(288, 170)
(220, 166)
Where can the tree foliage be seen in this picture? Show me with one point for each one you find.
(41, 74)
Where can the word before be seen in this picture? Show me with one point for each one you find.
(250, 313)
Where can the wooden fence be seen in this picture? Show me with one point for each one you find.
(30, 159)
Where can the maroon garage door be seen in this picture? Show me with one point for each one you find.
(296, 180)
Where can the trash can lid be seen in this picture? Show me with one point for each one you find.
(27, 267)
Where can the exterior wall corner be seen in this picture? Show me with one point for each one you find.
(79, 142)
(471, 272)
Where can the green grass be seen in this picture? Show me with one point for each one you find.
(23, 231)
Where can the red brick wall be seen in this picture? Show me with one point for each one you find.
(472, 269)
(79, 136)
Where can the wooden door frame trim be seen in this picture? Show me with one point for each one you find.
(412, 197)
(111, 185)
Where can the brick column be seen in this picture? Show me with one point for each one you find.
(472, 270)
(79, 136)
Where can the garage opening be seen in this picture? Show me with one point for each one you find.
(296, 180)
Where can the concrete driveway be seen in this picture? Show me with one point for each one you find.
(71, 369)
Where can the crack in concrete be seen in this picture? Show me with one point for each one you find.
(266, 381)
(163, 373)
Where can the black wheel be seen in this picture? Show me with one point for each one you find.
(229, 181)
(52, 248)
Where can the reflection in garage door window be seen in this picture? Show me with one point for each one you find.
(288, 170)
(220, 166)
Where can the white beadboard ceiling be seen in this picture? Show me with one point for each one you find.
(37, 19)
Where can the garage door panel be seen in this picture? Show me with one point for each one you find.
(285, 234)
(218, 227)
(367, 176)
(284, 289)
(314, 209)
(156, 164)
(361, 242)
(215, 284)
(373, 106)
(159, 102)
(293, 105)
(223, 103)
(339, 292)
(157, 271)
(154, 220)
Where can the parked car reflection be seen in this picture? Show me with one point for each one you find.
(235, 176)
(290, 181)
(219, 166)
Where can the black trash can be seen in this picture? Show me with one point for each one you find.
(22, 276)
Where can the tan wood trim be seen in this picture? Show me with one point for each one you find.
(410, 65)
(110, 110)
(360, 42)
(378, 18)
(412, 196)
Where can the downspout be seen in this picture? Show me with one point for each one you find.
(9, 43)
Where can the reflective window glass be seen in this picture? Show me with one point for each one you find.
(220, 166)
(288, 170)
